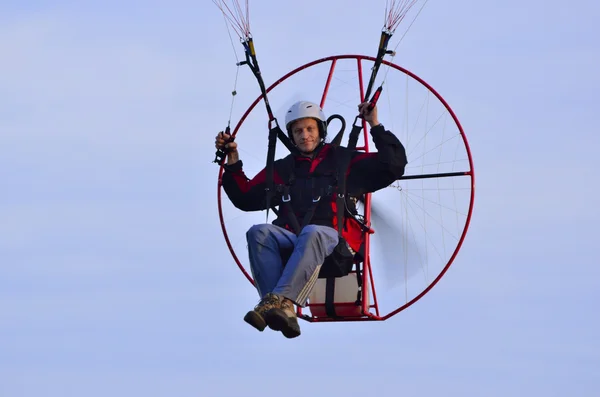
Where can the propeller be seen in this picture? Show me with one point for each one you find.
(397, 254)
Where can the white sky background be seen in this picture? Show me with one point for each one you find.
(115, 278)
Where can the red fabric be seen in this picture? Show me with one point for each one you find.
(352, 231)
(245, 185)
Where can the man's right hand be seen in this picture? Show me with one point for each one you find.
(223, 140)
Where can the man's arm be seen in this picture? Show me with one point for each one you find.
(245, 194)
(369, 172)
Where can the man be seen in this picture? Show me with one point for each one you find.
(285, 257)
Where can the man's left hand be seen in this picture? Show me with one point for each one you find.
(370, 116)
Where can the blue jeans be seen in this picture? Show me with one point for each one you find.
(286, 264)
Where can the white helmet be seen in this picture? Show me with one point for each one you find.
(305, 109)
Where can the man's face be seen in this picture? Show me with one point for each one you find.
(306, 134)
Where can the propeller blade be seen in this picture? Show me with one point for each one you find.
(397, 254)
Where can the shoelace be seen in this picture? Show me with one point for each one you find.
(269, 299)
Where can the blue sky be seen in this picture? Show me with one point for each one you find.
(115, 277)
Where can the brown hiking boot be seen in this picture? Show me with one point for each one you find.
(256, 317)
(284, 319)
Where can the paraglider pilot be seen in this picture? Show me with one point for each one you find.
(286, 257)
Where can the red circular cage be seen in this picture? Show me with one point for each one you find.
(439, 181)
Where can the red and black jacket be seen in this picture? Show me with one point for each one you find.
(309, 182)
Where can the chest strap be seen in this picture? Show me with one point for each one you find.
(292, 218)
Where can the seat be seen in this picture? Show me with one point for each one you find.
(345, 297)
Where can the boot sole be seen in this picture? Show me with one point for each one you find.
(277, 320)
(255, 320)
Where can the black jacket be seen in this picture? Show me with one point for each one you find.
(367, 172)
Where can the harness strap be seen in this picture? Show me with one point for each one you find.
(274, 133)
(329, 295)
(353, 137)
(286, 201)
(293, 219)
(270, 166)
